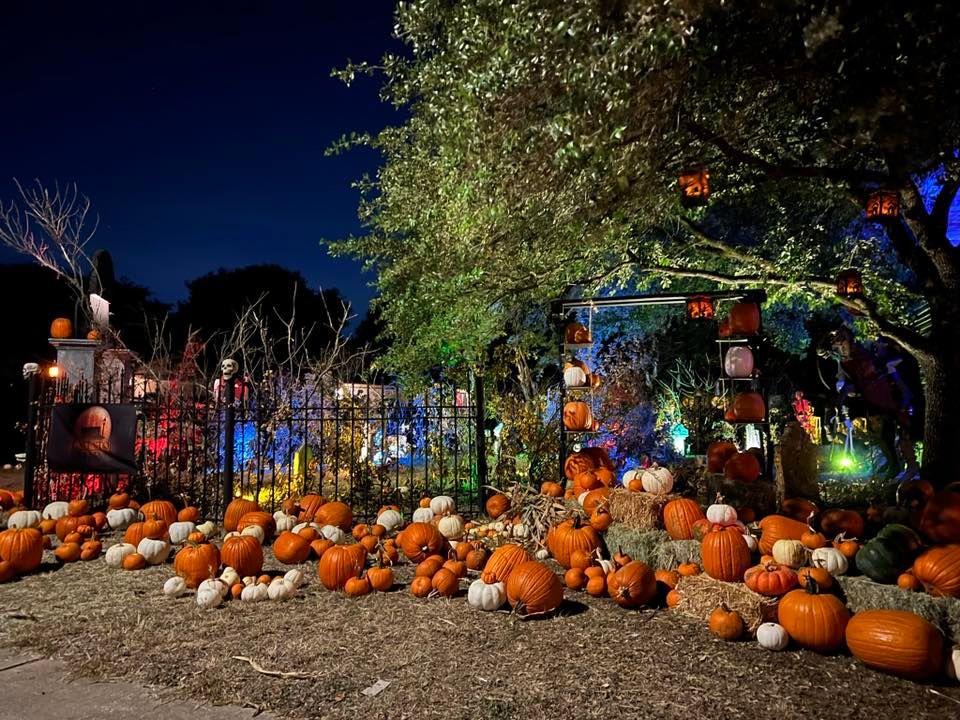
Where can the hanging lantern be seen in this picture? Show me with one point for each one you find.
(883, 204)
(850, 283)
(700, 307)
(694, 186)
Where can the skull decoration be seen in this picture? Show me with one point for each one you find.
(229, 368)
(30, 369)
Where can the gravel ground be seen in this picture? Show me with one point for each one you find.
(441, 658)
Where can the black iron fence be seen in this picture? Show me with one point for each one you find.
(368, 445)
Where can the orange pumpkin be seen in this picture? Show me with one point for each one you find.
(577, 416)
(938, 569)
(196, 563)
(61, 328)
(237, 508)
(533, 589)
(160, 509)
(679, 517)
(897, 642)
(577, 463)
(814, 620)
(718, 453)
(335, 513)
(502, 563)
(420, 540)
(742, 467)
(940, 520)
(244, 554)
(22, 548)
(497, 505)
(632, 585)
(339, 564)
(725, 555)
(744, 318)
(570, 535)
(778, 527)
(291, 548)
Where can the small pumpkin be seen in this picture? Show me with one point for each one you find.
(632, 585)
(725, 623)
(771, 579)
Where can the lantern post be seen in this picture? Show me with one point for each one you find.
(31, 373)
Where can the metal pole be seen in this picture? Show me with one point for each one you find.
(479, 409)
(33, 408)
(229, 422)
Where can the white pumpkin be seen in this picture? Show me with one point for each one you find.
(486, 596)
(294, 577)
(284, 522)
(208, 597)
(443, 505)
(230, 576)
(208, 528)
(254, 531)
(231, 534)
(333, 534)
(830, 559)
(248, 580)
(772, 636)
(154, 551)
(218, 585)
(24, 519)
(582, 497)
(423, 515)
(738, 362)
(657, 480)
(631, 475)
(542, 554)
(254, 593)
(451, 527)
(279, 589)
(119, 519)
(54, 510)
(574, 377)
(521, 531)
(721, 514)
(116, 553)
(790, 552)
(179, 531)
(751, 541)
(390, 519)
(174, 587)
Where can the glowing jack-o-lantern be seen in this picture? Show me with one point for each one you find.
(694, 186)
(883, 204)
(701, 307)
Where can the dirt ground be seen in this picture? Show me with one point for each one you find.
(441, 658)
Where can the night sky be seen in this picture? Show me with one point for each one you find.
(197, 129)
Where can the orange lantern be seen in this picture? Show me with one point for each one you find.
(850, 284)
(883, 204)
(694, 186)
(700, 307)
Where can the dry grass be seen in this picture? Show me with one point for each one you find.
(700, 595)
(654, 547)
(637, 510)
(443, 659)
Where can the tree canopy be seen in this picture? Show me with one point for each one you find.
(544, 140)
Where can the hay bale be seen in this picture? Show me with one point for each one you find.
(654, 547)
(700, 594)
(637, 510)
(864, 594)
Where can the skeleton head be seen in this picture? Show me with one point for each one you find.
(229, 368)
(30, 369)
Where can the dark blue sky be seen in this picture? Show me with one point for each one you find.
(197, 129)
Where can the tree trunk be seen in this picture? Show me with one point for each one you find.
(941, 433)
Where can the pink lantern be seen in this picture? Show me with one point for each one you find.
(738, 362)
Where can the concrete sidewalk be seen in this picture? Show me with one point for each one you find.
(34, 688)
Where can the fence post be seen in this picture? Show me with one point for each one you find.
(31, 375)
(229, 422)
(479, 409)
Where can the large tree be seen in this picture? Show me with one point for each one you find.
(544, 139)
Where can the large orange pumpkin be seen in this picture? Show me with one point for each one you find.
(244, 554)
(897, 642)
(161, 510)
(196, 563)
(262, 520)
(502, 562)
(570, 535)
(577, 463)
(534, 589)
(633, 585)
(61, 328)
(834, 522)
(291, 548)
(577, 416)
(309, 507)
(778, 527)
(600, 457)
(335, 513)
(813, 620)
(749, 407)
(742, 467)
(679, 517)
(420, 540)
(22, 548)
(725, 554)
(237, 508)
(339, 564)
(938, 569)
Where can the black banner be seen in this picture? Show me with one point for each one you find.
(90, 438)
